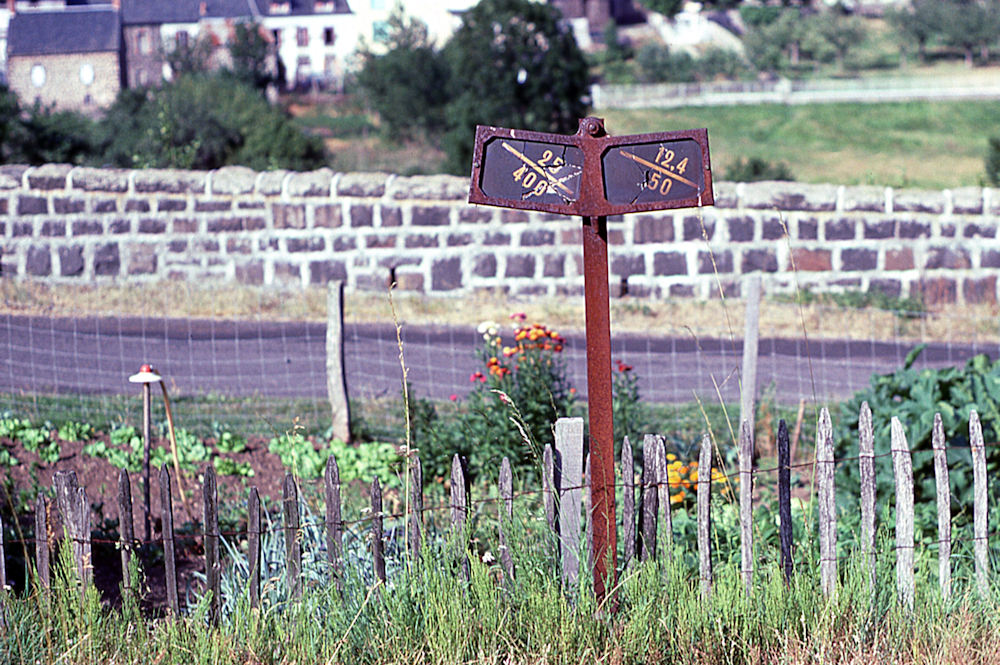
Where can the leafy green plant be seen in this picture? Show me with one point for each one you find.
(227, 442)
(226, 466)
(754, 169)
(34, 439)
(628, 411)
(298, 453)
(74, 431)
(914, 396)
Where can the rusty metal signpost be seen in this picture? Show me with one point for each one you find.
(593, 175)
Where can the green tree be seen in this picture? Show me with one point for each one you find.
(59, 137)
(408, 84)
(993, 161)
(970, 25)
(512, 64)
(841, 32)
(917, 25)
(205, 121)
(189, 57)
(773, 45)
(13, 133)
(251, 53)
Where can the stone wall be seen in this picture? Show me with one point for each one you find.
(82, 225)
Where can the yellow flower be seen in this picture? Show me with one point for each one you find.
(677, 498)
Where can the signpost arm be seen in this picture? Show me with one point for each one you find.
(602, 446)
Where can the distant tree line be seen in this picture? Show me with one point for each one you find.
(200, 119)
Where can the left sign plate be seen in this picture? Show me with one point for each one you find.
(531, 171)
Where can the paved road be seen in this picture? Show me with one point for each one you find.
(273, 359)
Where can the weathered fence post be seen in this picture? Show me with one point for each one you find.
(980, 508)
(784, 501)
(293, 540)
(85, 563)
(506, 487)
(751, 337)
(705, 516)
(3, 579)
(943, 506)
(416, 516)
(663, 497)
(650, 498)
(126, 533)
(459, 510)
(334, 522)
(42, 541)
(378, 540)
(169, 557)
(75, 512)
(902, 467)
(253, 545)
(549, 490)
(336, 381)
(746, 504)
(866, 472)
(826, 504)
(588, 513)
(213, 569)
(569, 472)
(628, 504)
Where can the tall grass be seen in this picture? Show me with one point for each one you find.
(428, 613)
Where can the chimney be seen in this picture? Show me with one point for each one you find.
(203, 9)
(116, 5)
(10, 6)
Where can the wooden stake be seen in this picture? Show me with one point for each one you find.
(980, 508)
(169, 556)
(293, 539)
(506, 487)
(866, 471)
(253, 545)
(784, 502)
(628, 504)
(334, 522)
(705, 516)
(826, 504)
(213, 568)
(903, 471)
(943, 507)
(746, 504)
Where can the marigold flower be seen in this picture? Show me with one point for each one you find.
(677, 498)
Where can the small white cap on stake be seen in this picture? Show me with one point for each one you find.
(146, 374)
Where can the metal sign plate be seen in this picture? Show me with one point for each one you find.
(589, 173)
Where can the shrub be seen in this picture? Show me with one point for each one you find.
(754, 169)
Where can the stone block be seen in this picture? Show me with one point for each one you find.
(716, 261)
(152, 225)
(936, 290)
(271, 183)
(697, 228)
(99, 180)
(391, 216)
(839, 229)
(554, 265)
(474, 215)
(681, 291)
(312, 244)
(371, 185)
(648, 229)
(32, 205)
(49, 176)
(763, 260)
(787, 196)
(233, 181)
(172, 205)
(899, 259)
(858, 259)
(430, 188)
(380, 242)
(912, 200)
(289, 216)
(430, 216)
(520, 265)
(142, 262)
(137, 205)
(65, 206)
(38, 261)
(420, 240)
(741, 229)
(626, 265)
(537, 238)
(982, 290)
(223, 225)
(485, 265)
(106, 260)
(967, 201)
(513, 216)
(361, 215)
(119, 226)
(177, 246)
(345, 243)
(496, 238)
(986, 229)
(323, 272)
(772, 228)
(86, 227)
(459, 239)
(213, 205)
(53, 229)
(105, 205)
(909, 229)
(808, 228)
(669, 263)
(811, 260)
(864, 198)
(890, 287)
(310, 184)
(22, 229)
(877, 230)
(951, 258)
(251, 273)
(170, 181)
(446, 274)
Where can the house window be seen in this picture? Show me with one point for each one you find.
(38, 76)
(323, 6)
(328, 36)
(380, 32)
(86, 73)
(378, 4)
(182, 38)
(302, 37)
(143, 43)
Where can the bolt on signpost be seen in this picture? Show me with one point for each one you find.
(593, 175)
(146, 376)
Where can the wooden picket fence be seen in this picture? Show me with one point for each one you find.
(646, 512)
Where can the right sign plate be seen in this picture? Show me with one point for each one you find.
(653, 174)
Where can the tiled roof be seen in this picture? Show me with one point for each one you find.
(85, 29)
(185, 11)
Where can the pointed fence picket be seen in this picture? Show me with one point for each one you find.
(646, 519)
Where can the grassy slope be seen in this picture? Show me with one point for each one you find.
(916, 144)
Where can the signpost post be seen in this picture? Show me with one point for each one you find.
(593, 175)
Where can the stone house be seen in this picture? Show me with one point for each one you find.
(68, 58)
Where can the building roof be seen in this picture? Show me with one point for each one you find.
(85, 29)
(156, 12)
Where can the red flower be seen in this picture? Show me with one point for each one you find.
(622, 367)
